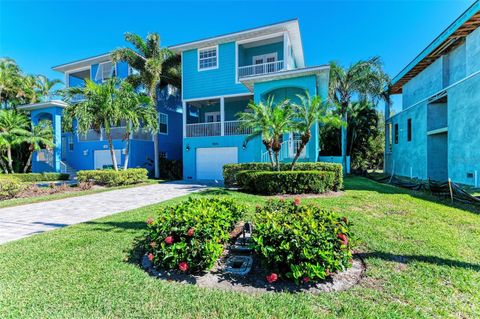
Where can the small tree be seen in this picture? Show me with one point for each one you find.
(41, 136)
(311, 111)
(282, 122)
(13, 128)
(98, 110)
(137, 111)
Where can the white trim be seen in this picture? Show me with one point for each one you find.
(438, 131)
(236, 63)
(42, 105)
(67, 74)
(433, 95)
(181, 64)
(216, 97)
(222, 116)
(184, 116)
(214, 114)
(285, 54)
(262, 37)
(62, 66)
(217, 57)
(166, 117)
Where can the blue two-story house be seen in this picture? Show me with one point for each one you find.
(221, 75)
(74, 151)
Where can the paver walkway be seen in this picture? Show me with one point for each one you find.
(25, 220)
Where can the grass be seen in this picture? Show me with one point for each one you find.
(45, 198)
(422, 256)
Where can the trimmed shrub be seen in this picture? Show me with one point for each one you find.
(112, 177)
(191, 235)
(10, 187)
(230, 170)
(286, 182)
(37, 177)
(301, 242)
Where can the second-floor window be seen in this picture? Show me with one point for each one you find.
(162, 123)
(208, 58)
(105, 71)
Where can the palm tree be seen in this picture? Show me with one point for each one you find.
(27, 91)
(258, 122)
(155, 66)
(40, 136)
(44, 86)
(364, 79)
(13, 128)
(10, 76)
(98, 110)
(137, 111)
(311, 111)
(282, 122)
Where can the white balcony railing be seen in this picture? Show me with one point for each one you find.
(118, 133)
(215, 129)
(259, 69)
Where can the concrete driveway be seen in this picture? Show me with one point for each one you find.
(25, 220)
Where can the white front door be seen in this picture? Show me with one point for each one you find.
(210, 161)
(103, 159)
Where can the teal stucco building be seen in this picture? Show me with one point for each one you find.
(436, 135)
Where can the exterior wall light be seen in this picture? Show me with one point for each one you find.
(244, 146)
(85, 152)
(187, 148)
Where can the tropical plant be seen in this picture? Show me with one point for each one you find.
(311, 111)
(282, 122)
(13, 129)
(155, 68)
(98, 110)
(41, 136)
(365, 79)
(10, 75)
(137, 111)
(45, 87)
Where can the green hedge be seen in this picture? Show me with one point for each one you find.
(190, 236)
(112, 177)
(286, 182)
(230, 170)
(10, 187)
(37, 177)
(301, 242)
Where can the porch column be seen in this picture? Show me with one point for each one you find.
(184, 115)
(222, 116)
(57, 139)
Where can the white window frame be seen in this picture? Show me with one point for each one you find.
(205, 49)
(160, 114)
(215, 114)
(100, 69)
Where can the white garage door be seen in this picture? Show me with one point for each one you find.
(103, 158)
(210, 161)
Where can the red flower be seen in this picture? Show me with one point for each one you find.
(343, 238)
(297, 201)
(272, 277)
(150, 256)
(153, 244)
(183, 266)
(169, 240)
(150, 220)
(191, 231)
(306, 279)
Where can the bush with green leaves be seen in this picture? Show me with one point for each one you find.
(286, 182)
(230, 171)
(112, 177)
(190, 236)
(37, 177)
(301, 242)
(10, 187)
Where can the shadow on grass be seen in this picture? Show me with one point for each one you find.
(405, 259)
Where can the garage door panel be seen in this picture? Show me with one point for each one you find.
(210, 161)
(104, 158)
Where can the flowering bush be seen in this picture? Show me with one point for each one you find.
(190, 236)
(301, 242)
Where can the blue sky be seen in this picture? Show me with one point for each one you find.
(42, 34)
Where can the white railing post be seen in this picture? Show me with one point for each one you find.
(222, 116)
(184, 115)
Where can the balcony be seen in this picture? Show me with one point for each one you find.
(260, 69)
(215, 129)
(117, 133)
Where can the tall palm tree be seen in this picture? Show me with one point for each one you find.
(44, 86)
(155, 66)
(365, 79)
(311, 111)
(98, 110)
(137, 111)
(258, 122)
(282, 122)
(28, 90)
(41, 136)
(10, 76)
(13, 128)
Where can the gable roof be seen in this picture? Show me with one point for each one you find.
(449, 39)
(82, 63)
(290, 26)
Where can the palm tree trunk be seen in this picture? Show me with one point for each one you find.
(112, 150)
(9, 157)
(297, 155)
(29, 162)
(344, 142)
(272, 161)
(277, 161)
(156, 163)
(4, 166)
(127, 152)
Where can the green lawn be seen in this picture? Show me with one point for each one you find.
(423, 260)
